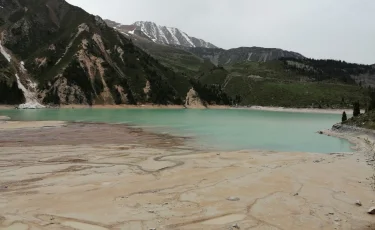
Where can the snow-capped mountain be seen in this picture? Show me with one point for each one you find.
(161, 34)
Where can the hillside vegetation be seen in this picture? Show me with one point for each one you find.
(63, 55)
(75, 58)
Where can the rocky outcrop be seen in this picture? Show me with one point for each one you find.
(365, 79)
(193, 100)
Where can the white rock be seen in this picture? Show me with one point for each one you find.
(358, 203)
(31, 105)
(4, 53)
(233, 198)
(371, 211)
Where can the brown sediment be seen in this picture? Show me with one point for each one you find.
(82, 134)
(104, 177)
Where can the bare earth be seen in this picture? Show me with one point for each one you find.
(101, 177)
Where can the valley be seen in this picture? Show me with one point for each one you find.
(84, 61)
(143, 126)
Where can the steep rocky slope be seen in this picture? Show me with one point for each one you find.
(57, 53)
(161, 34)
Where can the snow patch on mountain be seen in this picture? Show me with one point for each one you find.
(172, 32)
(170, 35)
(188, 39)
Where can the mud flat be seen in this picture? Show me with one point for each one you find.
(101, 177)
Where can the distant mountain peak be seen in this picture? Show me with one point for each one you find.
(162, 34)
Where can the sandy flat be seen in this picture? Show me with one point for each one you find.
(140, 182)
(11, 125)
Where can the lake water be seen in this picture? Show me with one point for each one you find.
(231, 129)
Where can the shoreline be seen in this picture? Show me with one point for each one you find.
(362, 139)
(300, 110)
(151, 106)
(128, 170)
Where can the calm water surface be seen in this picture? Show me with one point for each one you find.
(230, 129)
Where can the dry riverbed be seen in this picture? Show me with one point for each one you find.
(57, 175)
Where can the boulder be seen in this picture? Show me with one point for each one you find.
(235, 226)
(371, 211)
(233, 198)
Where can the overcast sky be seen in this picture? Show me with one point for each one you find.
(337, 29)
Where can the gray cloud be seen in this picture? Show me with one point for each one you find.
(337, 29)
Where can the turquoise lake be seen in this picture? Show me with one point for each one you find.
(230, 129)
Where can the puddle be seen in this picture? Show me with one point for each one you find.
(82, 226)
(225, 219)
(17, 226)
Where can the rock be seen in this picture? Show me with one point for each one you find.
(371, 211)
(358, 203)
(233, 198)
(337, 219)
(235, 226)
(331, 213)
(151, 211)
(31, 105)
(320, 132)
(152, 229)
(296, 194)
(319, 160)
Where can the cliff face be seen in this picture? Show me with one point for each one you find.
(56, 53)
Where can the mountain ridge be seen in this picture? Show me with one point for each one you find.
(139, 31)
(161, 34)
